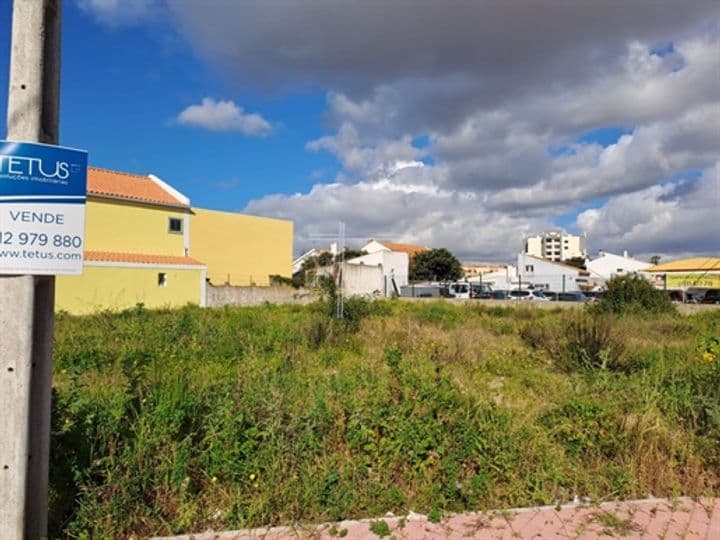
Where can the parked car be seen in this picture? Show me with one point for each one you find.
(550, 295)
(572, 297)
(499, 295)
(712, 296)
(480, 290)
(527, 295)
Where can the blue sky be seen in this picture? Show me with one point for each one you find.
(433, 124)
(122, 89)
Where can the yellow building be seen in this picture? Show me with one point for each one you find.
(144, 244)
(695, 273)
(239, 249)
(136, 245)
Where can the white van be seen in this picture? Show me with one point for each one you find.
(459, 290)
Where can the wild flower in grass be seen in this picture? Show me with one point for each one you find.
(255, 480)
(709, 348)
(214, 480)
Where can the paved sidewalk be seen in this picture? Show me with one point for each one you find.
(651, 519)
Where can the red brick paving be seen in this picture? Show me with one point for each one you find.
(653, 519)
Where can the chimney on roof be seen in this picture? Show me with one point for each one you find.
(601, 252)
(625, 253)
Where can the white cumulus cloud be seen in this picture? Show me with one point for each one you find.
(117, 12)
(676, 217)
(224, 116)
(604, 117)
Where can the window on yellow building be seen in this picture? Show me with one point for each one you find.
(175, 225)
(162, 279)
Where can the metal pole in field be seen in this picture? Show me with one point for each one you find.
(27, 302)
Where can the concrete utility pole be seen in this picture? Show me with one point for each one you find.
(27, 302)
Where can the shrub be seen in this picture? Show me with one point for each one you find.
(633, 294)
(581, 425)
(693, 391)
(592, 343)
(317, 330)
(544, 335)
(355, 310)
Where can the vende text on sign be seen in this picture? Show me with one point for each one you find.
(43, 190)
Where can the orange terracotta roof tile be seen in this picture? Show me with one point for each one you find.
(132, 187)
(140, 258)
(410, 249)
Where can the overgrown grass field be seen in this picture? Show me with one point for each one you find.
(177, 421)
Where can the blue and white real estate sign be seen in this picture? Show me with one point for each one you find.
(43, 190)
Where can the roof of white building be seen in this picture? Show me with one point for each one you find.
(410, 249)
(580, 271)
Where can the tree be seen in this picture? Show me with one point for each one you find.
(655, 260)
(317, 261)
(326, 258)
(578, 262)
(633, 294)
(350, 254)
(435, 264)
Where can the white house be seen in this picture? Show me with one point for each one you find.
(607, 265)
(373, 246)
(502, 279)
(376, 274)
(550, 276)
(395, 267)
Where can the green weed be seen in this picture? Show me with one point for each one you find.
(613, 525)
(173, 421)
(380, 528)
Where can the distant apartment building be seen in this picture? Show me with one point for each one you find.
(555, 246)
